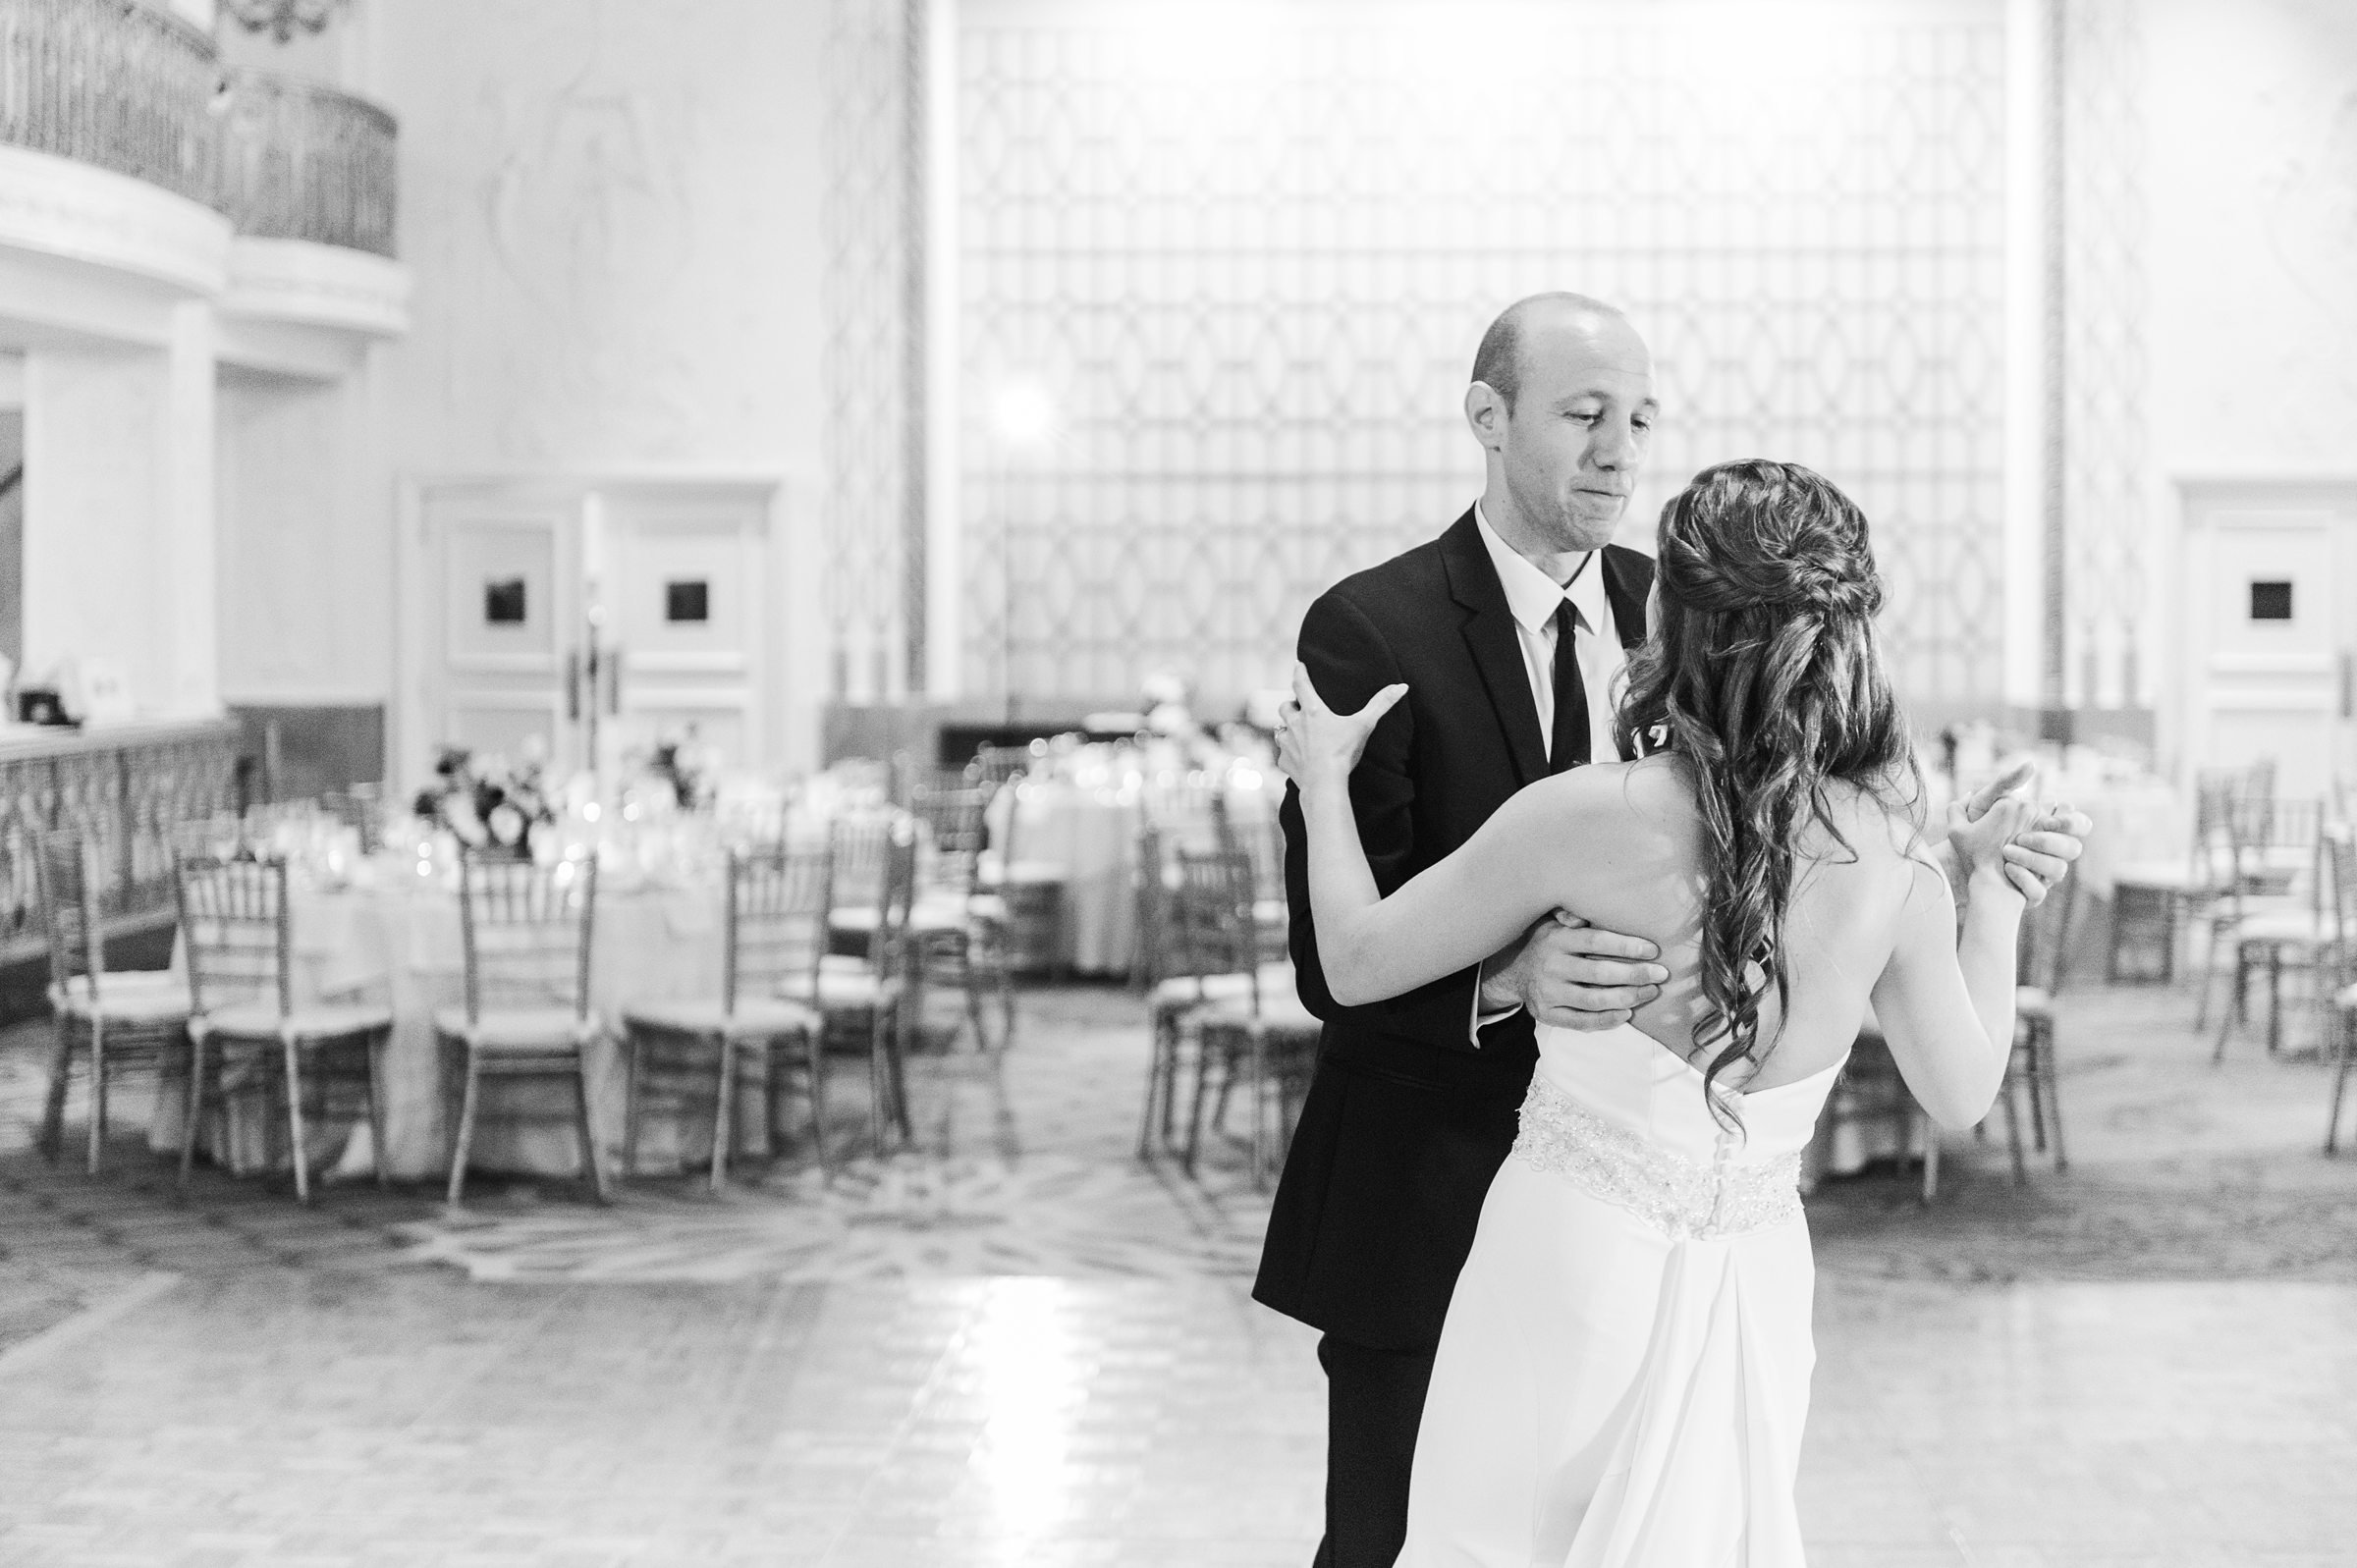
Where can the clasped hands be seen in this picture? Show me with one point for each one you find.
(1567, 973)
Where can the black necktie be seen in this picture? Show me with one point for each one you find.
(1569, 747)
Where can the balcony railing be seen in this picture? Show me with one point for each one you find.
(303, 161)
(114, 83)
(129, 88)
(125, 788)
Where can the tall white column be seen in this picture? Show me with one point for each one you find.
(2030, 250)
(944, 578)
(120, 560)
(190, 559)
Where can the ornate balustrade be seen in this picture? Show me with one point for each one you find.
(303, 161)
(115, 84)
(126, 87)
(125, 786)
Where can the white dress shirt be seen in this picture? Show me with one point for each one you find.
(1532, 597)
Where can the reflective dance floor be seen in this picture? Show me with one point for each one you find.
(1019, 1347)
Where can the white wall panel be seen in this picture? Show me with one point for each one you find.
(1223, 268)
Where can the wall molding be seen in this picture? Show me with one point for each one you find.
(54, 207)
(314, 284)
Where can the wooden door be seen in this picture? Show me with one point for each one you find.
(2271, 627)
(683, 613)
(498, 661)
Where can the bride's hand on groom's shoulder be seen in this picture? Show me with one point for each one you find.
(1316, 745)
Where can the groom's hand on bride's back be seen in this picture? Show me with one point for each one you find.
(1568, 973)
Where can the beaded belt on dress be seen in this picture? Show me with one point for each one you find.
(1683, 1199)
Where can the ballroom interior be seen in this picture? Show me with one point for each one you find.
(556, 464)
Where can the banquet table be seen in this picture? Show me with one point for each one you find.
(394, 935)
(2137, 821)
(1088, 833)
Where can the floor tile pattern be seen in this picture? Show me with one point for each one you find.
(1016, 1345)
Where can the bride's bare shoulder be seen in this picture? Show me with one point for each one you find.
(1879, 824)
(1654, 793)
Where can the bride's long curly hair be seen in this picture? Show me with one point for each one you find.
(1761, 670)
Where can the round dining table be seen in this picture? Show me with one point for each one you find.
(392, 934)
(1085, 836)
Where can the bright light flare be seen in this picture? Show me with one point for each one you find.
(1034, 1382)
(1024, 415)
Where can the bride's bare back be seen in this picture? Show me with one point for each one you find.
(1838, 929)
(1622, 846)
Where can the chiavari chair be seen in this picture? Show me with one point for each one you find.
(956, 929)
(1262, 842)
(1033, 889)
(2151, 899)
(1201, 957)
(2340, 863)
(525, 930)
(1175, 811)
(221, 835)
(2271, 840)
(865, 1000)
(2033, 1070)
(1264, 1036)
(859, 842)
(116, 1019)
(362, 808)
(775, 935)
(237, 928)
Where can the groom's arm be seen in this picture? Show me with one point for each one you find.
(1349, 659)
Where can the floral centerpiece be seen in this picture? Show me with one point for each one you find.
(485, 803)
(684, 765)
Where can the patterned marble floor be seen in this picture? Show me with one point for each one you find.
(1018, 1347)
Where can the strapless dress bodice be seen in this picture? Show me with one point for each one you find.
(1625, 1119)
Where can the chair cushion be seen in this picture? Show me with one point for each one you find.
(952, 909)
(2283, 925)
(842, 983)
(754, 1016)
(260, 1020)
(1281, 1013)
(133, 996)
(859, 917)
(2166, 876)
(1193, 991)
(2033, 1002)
(1027, 872)
(1272, 911)
(517, 1028)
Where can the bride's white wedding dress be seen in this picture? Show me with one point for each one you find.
(1624, 1373)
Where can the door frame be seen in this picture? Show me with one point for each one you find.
(793, 652)
(2182, 721)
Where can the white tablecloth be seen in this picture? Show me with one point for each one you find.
(2139, 822)
(1089, 835)
(399, 940)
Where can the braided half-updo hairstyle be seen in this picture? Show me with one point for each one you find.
(1762, 673)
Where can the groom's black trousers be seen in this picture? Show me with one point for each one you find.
(1374, 1402)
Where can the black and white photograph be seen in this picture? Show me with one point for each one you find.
(1177, 784)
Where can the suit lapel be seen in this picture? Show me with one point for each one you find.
(1489, 633)
(1627, 583)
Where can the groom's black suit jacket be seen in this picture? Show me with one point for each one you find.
(1406, 1121)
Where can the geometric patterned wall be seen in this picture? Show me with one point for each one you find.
(2108, 516)
(871, 239)
(1219, 285)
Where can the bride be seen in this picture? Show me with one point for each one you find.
(1625, 1371)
